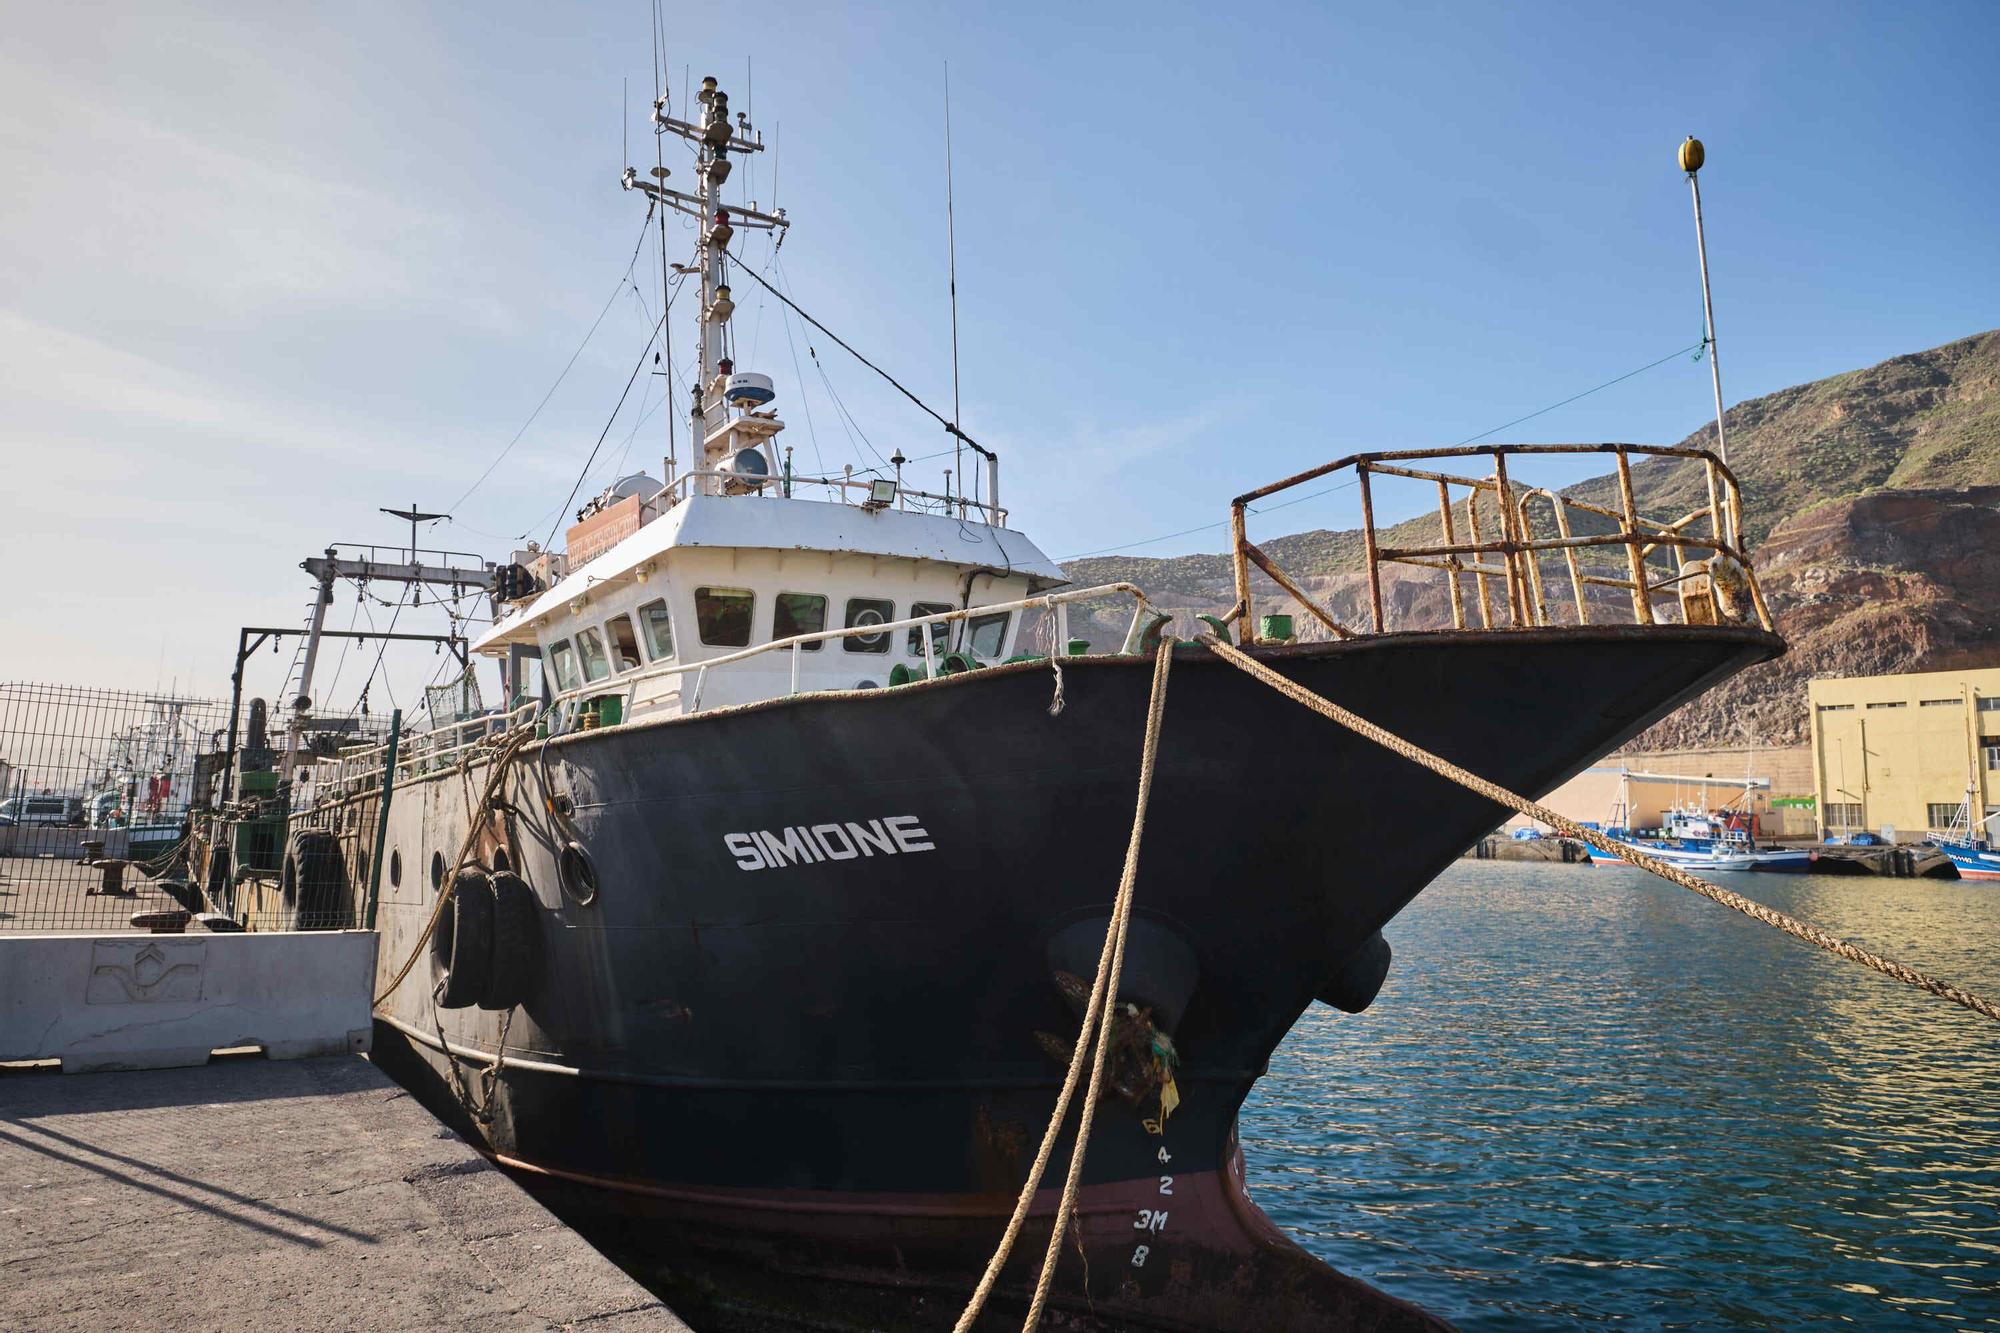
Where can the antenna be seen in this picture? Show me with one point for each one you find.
(660, 98)
(413, 517)
(951, 251)
(1691, 158)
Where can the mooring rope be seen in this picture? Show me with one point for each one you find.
(1098, 1016)
(1499, 795)
(502, 758)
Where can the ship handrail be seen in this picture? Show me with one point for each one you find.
(1516, 555)
(963, 506)
(357, 771)
(1057, 603)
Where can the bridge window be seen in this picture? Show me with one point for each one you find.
(868, 611)
(799, 613)
(624, 643)
(590, 648)
(653, 619)
(940, 632)
(722, 616)
(989, 634)
(562, 660)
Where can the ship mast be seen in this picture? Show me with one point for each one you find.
(714, 138)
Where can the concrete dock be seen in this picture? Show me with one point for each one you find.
(277, 1194)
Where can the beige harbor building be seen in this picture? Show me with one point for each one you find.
(1896, 753)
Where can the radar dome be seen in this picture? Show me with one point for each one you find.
(746, 389)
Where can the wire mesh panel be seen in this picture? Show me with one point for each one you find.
(96, 789)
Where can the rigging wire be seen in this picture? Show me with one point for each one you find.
(804, 402)
(567, 366)
(1328, 490)
(847, 347)
(637, 366)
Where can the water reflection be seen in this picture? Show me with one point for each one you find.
(1587, 1095)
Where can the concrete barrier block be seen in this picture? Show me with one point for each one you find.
(99, 1002)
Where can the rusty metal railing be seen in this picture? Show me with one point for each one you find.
(1511, 560)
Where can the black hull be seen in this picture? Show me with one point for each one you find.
(832, 1067)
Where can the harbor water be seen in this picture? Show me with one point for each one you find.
(1587, 1096)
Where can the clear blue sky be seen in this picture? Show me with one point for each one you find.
(264, 270)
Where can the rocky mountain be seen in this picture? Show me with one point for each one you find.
(1871, 506)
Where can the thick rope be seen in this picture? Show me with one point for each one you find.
(1499, 795)
(1097, 1018)
(502, 758)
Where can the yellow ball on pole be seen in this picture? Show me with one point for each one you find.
(1691, 155)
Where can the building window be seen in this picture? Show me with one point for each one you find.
(1943, 814)
(799, 613)
(1836, 708)
(624, 643)
(868, 611)
(659, 630)
(1989, 703)
(1991, 749)
(722, 616)
(590, 647)
(1941, 703)
(1894, 703)
(989, 634)
(1843, 814)
(940, 632)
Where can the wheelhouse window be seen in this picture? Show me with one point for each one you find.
(799, 613)
(659, 630)
(562, 661)
(988, 634)
(624, 643)
(940, 632)
(722, 616)
(590, 648)
(868, 611)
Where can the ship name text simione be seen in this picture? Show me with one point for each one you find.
(810, 844)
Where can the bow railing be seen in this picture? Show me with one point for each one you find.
(1487, 534)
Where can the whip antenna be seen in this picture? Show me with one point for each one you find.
(1691, 158)
(951, 253)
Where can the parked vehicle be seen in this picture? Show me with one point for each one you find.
(59, 811)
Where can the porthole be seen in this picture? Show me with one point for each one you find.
(396, 868)
(577, 873)
(437, 870)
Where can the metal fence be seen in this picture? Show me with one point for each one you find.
(98, 785)
(121, 810)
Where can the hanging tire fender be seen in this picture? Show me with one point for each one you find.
(517, 942)
(314, 881)
(462, 944)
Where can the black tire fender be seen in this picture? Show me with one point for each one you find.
(315, 881)
(462, 944)
(517, 942)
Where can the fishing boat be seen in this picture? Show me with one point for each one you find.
(1966, 843)
(1697, 838)
(1731, 849)
(762, 925)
